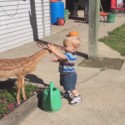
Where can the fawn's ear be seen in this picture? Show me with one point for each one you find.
(41, 45)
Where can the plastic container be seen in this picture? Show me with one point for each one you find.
(111, 17)
(57, 11)
(60, 21)
(66, 16)
(51, 99)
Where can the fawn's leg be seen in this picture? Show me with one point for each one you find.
(20, 84)
(23, 89)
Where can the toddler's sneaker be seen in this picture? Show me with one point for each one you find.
(67, 95)
(75, 100)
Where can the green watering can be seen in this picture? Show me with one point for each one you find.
(51, 99)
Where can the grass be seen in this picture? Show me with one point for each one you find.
(116, 39)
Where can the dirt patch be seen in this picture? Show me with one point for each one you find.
(106, 63)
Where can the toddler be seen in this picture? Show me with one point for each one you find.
(68, 75)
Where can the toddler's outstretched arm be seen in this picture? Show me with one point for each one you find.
(53, 49)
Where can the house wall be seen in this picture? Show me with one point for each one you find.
(22, 21)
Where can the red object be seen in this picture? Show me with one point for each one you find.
(117, 6)
(53, 0)
(60, 21)
(113, 3)
(103, 14)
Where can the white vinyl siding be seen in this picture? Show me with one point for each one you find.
(22, 21)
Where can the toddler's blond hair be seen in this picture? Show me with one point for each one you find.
(72, 41)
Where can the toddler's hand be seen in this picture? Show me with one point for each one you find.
(51, 47)
(55, 60)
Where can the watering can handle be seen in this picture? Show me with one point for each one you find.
(51, 91)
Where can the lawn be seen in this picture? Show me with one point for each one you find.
(116, 39)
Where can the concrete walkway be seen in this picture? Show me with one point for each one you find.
(102, 91)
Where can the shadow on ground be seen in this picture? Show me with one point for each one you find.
(34, 79)
(104, 63)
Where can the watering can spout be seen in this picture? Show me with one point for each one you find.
(51, 100)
